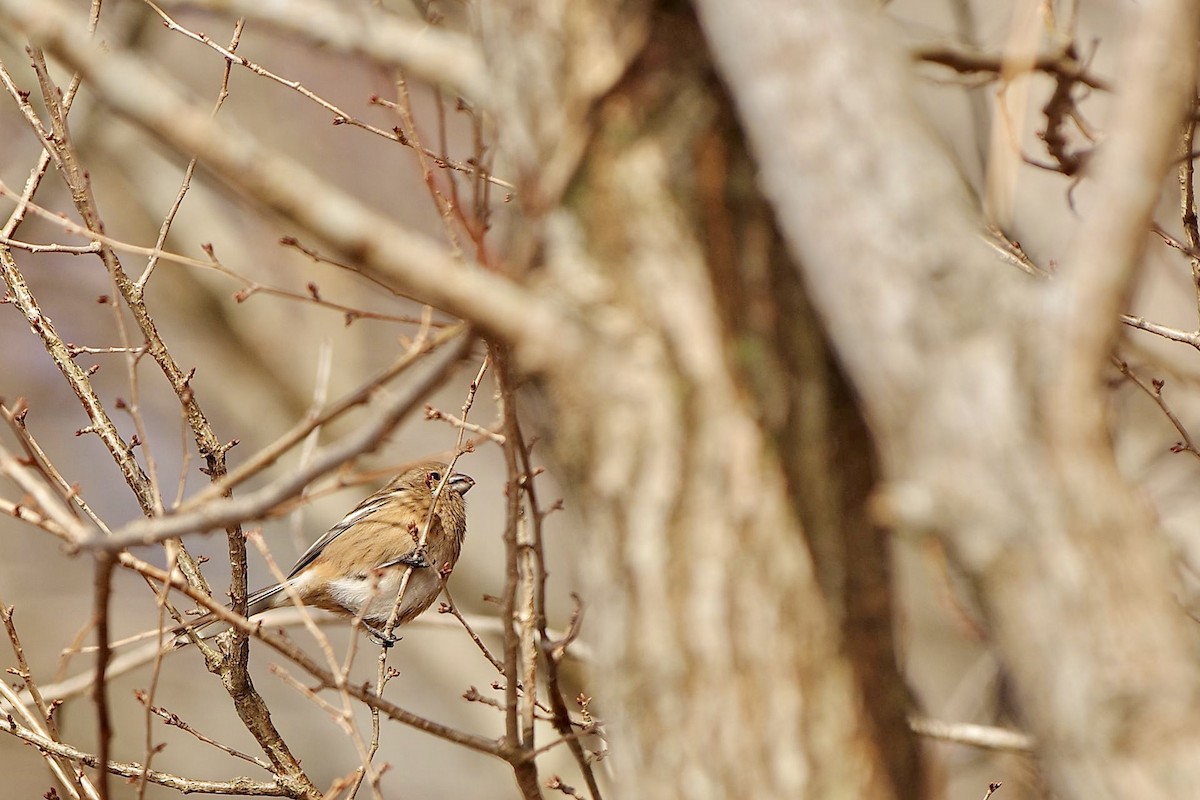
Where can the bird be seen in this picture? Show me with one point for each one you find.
(361, 560)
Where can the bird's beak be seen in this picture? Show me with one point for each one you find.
(459, 483)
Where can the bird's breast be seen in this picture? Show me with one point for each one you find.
(376, 591)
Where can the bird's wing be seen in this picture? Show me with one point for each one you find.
(261, 600)
(256, 603)
(364, 509)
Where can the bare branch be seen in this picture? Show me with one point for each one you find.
(239, 786)
(256, 504)
(984, 736)
(326, 677)
(1061, 64)
(1154, 390)
(134, 89)
(435, 55)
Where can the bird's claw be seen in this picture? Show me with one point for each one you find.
(416, 560)
(379, 637)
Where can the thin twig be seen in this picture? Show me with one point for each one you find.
(174, 720)
(452, 608)
(238, 786)
(1154, 391)
(340, 117)
(432, 413)
(1174, 334)
(1061, 65)
(103, 592)
(254, 505)
(65, 249)
(1187, 201)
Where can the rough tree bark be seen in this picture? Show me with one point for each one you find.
(676, 424)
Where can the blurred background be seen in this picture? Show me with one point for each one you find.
(258, 369)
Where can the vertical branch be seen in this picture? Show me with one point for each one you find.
(526, 605)
(103, 586)
(1187, 198)
(512, 518)
(75, 782)
(39, 171)
(553, 651)
(517, 602)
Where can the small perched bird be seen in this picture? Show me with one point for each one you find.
(362, 559)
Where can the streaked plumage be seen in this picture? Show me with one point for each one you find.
(362, 558)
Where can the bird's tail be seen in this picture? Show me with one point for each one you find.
(210, 625)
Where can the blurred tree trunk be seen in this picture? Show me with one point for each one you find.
(704, 431)
(698, 425)
(1002, 448)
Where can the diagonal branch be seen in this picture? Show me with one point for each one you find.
(429, 53)
(237, 786)
(253, 505)
(132, 88)
(327, 678)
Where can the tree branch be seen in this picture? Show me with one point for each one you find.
(133, 88)
(431, 54)
(253, 505)
(238, 786)
(984, 736)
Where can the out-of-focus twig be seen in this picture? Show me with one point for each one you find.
(432, 54)
(984, 736)
(1062, 64)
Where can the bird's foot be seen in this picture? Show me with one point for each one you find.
(379, 637)
(416, 559)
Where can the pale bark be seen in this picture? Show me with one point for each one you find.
(717, 650)
(1000, 447)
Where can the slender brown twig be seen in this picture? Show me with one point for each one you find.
(238, 786)
(519, 602)
(552, 650)
(1154, 391)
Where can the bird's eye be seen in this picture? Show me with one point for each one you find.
(435, 477)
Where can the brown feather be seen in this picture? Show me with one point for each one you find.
(346, 567)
